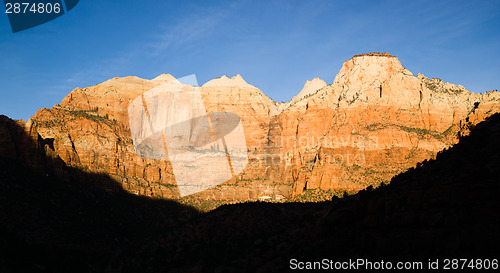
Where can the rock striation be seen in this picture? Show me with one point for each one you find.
(374, 121)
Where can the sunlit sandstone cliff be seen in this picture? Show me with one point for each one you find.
(375, 120)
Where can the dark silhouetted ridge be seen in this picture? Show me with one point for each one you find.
(446, 207)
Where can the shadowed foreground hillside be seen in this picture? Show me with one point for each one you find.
(78, 225)
(445, 208)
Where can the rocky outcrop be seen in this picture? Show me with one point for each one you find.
(309, 89)
(14, 143)
(375, 120)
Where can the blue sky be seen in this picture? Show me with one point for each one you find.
(274, 45)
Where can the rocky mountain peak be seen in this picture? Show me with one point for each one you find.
(164, 78)
(368, 68)
(311, 87)
(235, 81)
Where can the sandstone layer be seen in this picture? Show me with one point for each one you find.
(375, 120)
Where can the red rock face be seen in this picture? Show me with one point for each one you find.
(376, 120)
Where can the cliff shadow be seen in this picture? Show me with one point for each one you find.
(60, 219)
